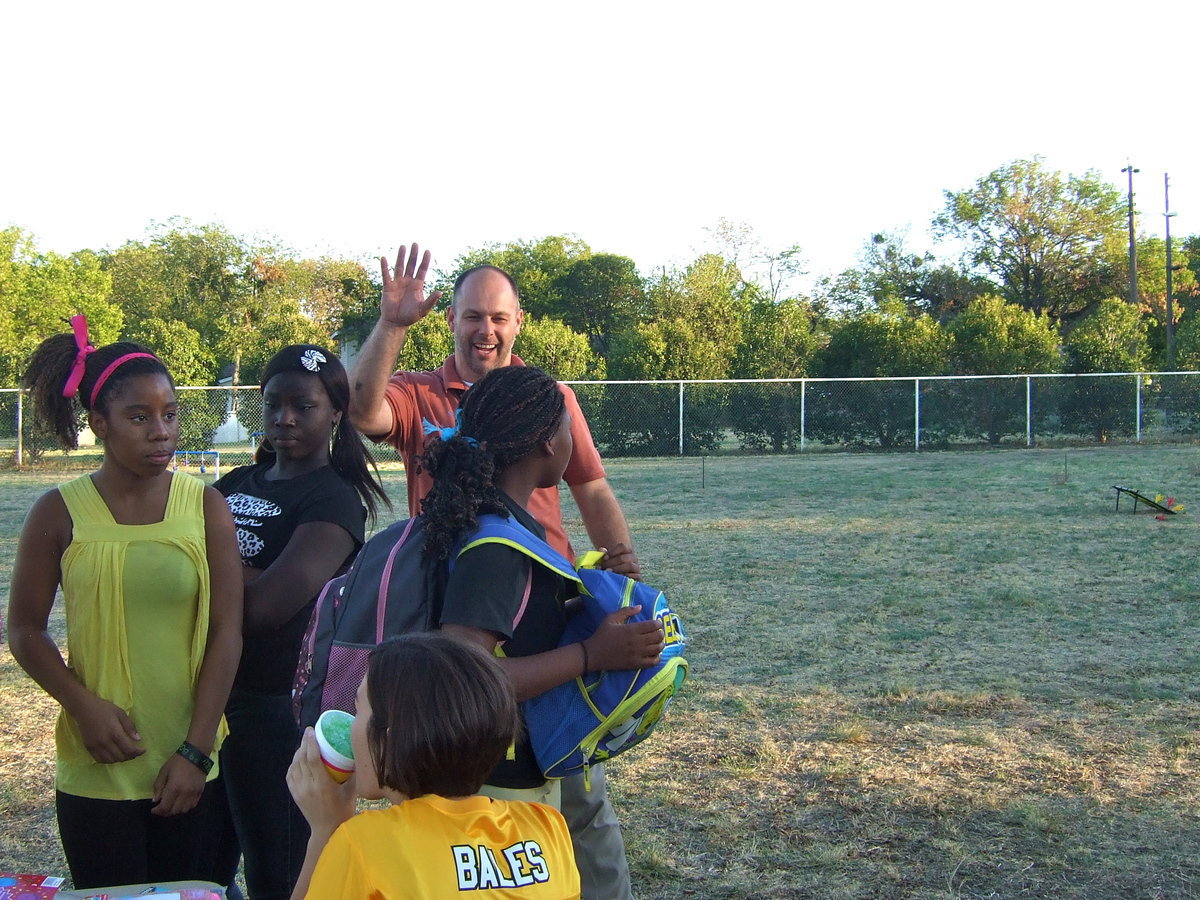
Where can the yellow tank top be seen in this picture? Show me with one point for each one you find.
(137, 604)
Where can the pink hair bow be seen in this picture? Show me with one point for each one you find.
(79, 326)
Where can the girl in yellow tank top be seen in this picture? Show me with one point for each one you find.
(151, 584)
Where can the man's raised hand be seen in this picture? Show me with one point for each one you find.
(403, 302)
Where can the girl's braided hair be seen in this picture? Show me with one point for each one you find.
(50, 364)
(505, 415)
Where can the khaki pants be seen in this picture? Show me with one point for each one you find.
(595, 831)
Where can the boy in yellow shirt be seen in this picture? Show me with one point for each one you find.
(435, 715)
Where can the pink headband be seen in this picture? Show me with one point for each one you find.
(79, 326)
(112, 367)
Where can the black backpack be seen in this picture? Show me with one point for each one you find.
(389, 590)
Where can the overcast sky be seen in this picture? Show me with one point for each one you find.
(344, 128)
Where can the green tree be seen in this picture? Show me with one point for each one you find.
(692, 331)
(889, 341)
(1111, 339)
(1178, 398)
(278, 324)
(15, 247)
(201, 275)
(992, 337)
(1191, 246)
(889, 270)
(1152, 289)
(778, 341)
(1187, 344)
(244, 300)
(694, 325)
(561, 351)
(600, 295)
(39, 292)
(332, 293)
(142, 283)
(1042, 237)
(772, 271)
(180, 346)
(429, 342)
(536, 266)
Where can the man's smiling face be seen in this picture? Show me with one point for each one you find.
(485, 318)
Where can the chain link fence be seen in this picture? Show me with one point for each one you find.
(220, 426)
(693, 418)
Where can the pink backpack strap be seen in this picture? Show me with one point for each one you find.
(524, 599)
(311, 640)
(381, 600)
(524, 602)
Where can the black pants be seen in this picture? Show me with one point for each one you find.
(253, 813)
(115, 842)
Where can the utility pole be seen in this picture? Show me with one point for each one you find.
(1133, 294)
(1167, 214)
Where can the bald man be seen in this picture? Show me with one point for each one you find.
(392, 407)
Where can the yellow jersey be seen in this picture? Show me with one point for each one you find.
(432, 847)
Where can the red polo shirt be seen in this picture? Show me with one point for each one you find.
(434, 396)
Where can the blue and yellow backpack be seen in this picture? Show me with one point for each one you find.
(390, 590)
(597, 716)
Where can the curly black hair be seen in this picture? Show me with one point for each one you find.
(505, 415)
(50, 365)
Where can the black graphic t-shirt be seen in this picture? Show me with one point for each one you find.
(267, 514)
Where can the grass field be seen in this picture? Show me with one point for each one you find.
(913, 675)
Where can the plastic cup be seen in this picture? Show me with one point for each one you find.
(333, 739)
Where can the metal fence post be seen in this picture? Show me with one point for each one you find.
(20, 427)
(916, 413)
(681, 418)
(1028, 411)
(803, 398)
(1138, 378)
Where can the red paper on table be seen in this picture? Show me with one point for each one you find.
(15, 886)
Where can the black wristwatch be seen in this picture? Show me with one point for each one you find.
(193, 755)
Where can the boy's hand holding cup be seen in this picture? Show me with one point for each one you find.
(324, 793)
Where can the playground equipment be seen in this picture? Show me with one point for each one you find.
(1164, 505)
(201, 458)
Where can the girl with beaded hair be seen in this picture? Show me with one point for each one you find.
(151, 584)
(514, 435)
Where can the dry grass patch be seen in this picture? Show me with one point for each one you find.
(921, 809)
(925, 675)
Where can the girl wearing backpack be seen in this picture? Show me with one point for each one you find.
(434, 715)
(300, 518)
(149, 573)
(514, 436)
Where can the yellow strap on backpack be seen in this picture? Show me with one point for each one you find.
(589, 560)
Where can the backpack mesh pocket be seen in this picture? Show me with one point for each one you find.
(347, 668)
